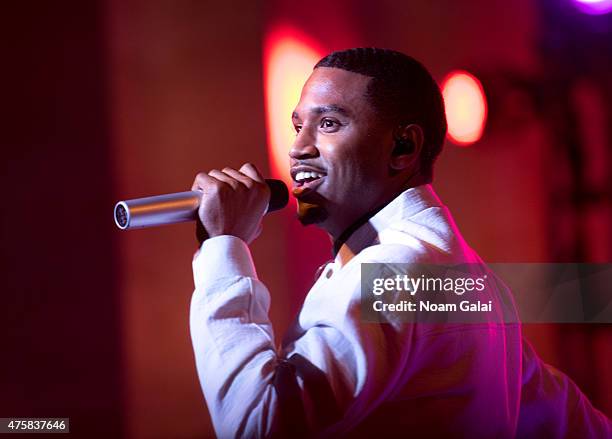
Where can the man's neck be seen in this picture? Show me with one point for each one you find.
(345, 235)
(345, 232)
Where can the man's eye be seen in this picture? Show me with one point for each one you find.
(329, 124)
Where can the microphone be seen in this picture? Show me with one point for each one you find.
(179, 207)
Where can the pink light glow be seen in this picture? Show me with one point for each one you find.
(289, 58)
(466, 107)
(594, 7)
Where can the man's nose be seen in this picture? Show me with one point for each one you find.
(303, 147)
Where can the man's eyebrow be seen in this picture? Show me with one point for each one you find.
(324, 109)
(330, 109)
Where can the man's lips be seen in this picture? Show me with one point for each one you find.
(303, 189)
(306, 176)
(306, 179)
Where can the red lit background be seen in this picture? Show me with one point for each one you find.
(118, 99)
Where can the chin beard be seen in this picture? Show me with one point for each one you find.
(311, 213)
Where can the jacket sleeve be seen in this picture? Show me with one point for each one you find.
(253, 390)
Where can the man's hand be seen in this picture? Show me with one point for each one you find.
(233, 202)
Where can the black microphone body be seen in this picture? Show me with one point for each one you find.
(179, 207)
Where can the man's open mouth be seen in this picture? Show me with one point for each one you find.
(304, 178)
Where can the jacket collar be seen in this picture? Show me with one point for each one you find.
(365, 232)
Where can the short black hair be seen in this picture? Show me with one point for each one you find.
(402, 91)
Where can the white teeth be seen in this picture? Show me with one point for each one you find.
(305, 175)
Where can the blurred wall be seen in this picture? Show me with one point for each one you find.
(59, 317)
(186, 96)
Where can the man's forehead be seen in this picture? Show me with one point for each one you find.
(333, 89)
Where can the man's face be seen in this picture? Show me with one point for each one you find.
(347, 147)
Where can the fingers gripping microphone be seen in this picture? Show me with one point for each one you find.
(179, 207)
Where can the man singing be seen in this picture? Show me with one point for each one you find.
(369, 126)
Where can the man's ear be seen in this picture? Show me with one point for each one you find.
(408, 143)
